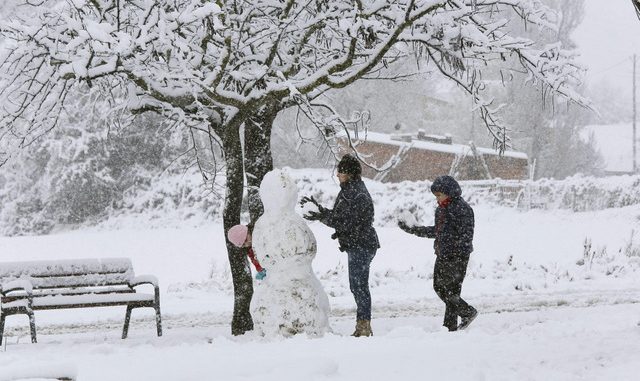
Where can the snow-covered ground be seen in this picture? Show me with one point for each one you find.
(543, 316)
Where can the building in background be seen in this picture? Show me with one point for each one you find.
(416, 157)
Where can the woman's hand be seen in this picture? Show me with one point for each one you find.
(320, 214)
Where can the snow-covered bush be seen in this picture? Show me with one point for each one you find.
(601, 260)
(126, 184)
(578, 193)
(632, 248)
(79, 173)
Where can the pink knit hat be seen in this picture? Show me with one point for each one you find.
(237, 235)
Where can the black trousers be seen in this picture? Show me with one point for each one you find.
(448, 274)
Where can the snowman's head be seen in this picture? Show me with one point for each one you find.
(278, 192)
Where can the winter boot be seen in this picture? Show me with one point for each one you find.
(465, 321)
(356, 333)
(366, 328)
(363, 328)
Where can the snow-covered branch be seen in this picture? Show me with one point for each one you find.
(231, 58)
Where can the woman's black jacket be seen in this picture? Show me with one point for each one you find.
(352, 217)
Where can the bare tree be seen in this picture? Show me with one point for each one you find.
(219, 65)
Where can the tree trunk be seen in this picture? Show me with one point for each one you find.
(258, 160)
(240, 272)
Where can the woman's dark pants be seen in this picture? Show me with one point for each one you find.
(359, 264)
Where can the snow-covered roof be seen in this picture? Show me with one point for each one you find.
(461, 149)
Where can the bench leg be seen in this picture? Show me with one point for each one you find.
(127, 318)
(158, 319)
(2, 317)
(32, 325)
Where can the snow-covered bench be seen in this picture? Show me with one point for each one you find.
(45, 285)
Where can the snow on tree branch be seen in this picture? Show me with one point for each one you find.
(229, 58)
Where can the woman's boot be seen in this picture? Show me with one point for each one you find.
(356, 333)
(366, 328)
(363, 328)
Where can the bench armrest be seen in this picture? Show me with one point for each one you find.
(17, 285)
(144, 279)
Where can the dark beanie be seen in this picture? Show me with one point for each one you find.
(349, 165)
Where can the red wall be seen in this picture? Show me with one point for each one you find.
(421, 164)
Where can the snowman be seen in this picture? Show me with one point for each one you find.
(290, 299)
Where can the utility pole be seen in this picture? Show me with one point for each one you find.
(635, 166)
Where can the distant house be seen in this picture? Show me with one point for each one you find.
(416, 157)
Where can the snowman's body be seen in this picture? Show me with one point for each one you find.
(290, 299)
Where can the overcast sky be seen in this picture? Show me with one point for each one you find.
(607, 38)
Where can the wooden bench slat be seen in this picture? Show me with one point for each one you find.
(88, 300)
(15, 295)
(81, 301)
(82, 280)
(107, 273)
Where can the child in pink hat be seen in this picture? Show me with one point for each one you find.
(240, 236)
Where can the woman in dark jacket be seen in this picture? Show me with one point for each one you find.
(352, 219)
(453, 233)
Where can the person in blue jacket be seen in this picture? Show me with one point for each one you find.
(453, 244)
(352, 218)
